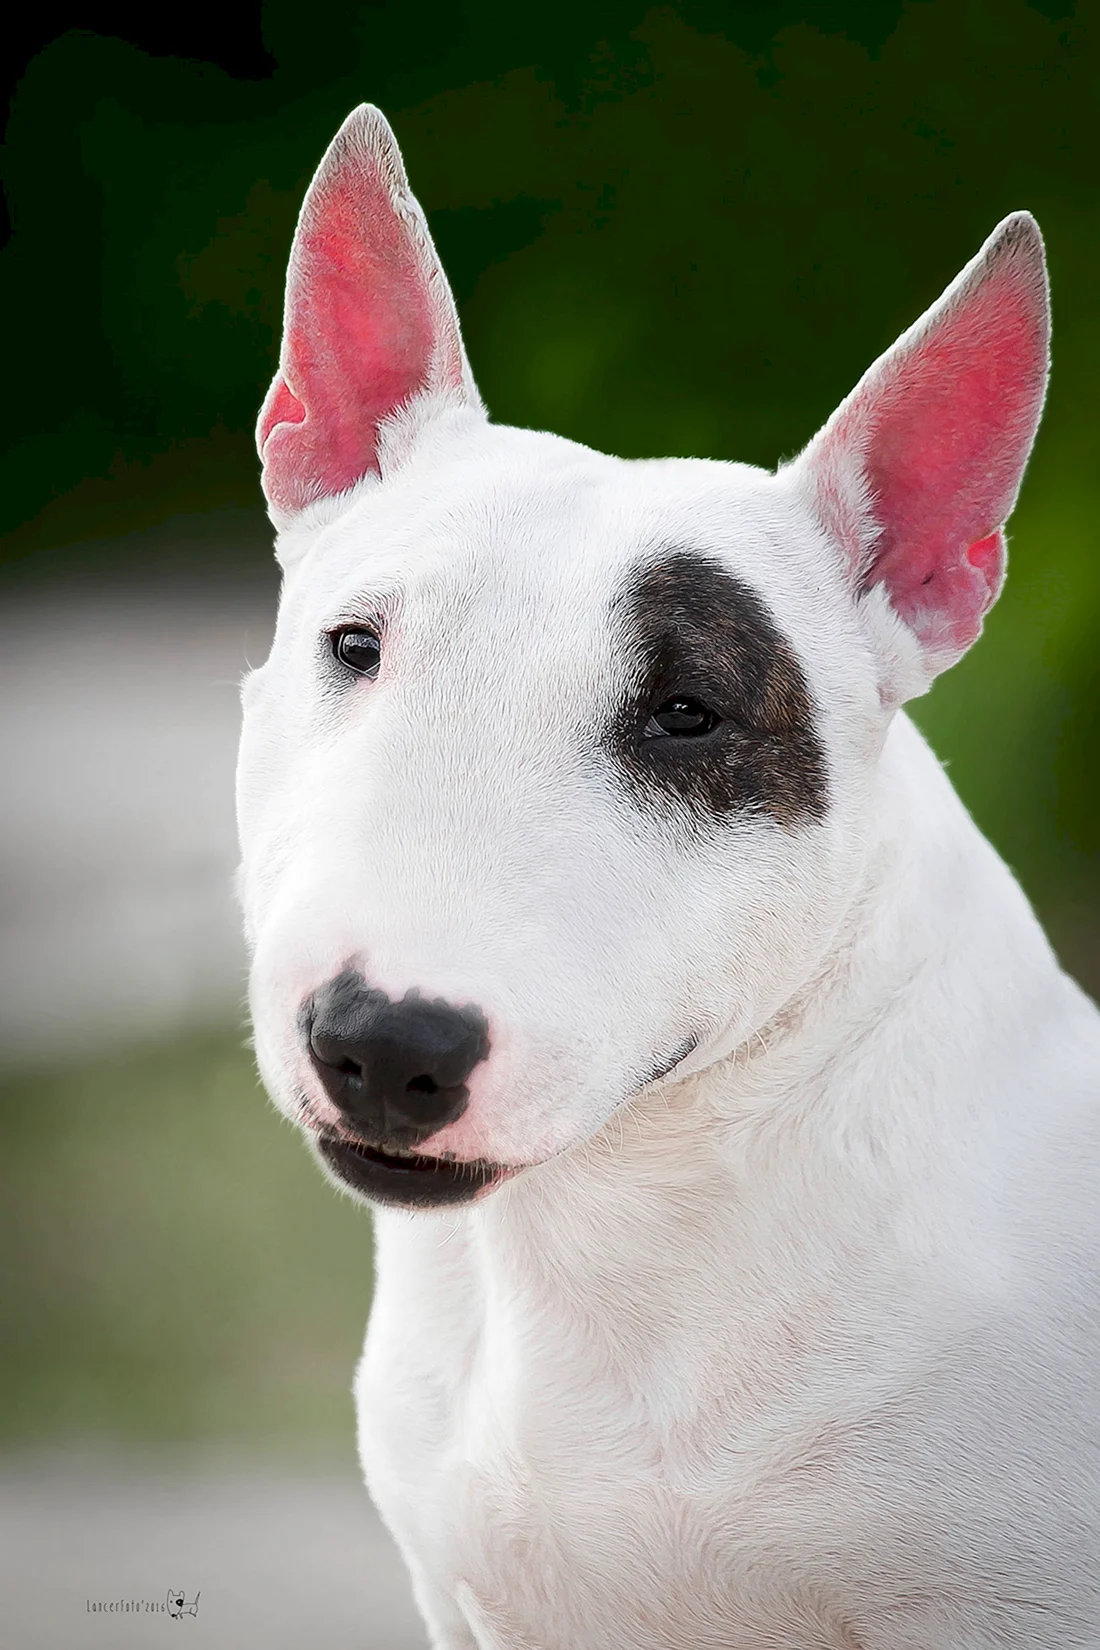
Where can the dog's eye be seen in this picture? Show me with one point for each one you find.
(359, 650)
(680, 716)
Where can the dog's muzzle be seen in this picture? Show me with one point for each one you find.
(396, 1072)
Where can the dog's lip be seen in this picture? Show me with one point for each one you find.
(410, 1177)
(407, 1159)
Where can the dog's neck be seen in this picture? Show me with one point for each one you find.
(812, 1175)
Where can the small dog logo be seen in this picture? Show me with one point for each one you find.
(178, 1606)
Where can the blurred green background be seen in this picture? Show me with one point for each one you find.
(672, 229)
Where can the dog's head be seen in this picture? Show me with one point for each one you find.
(559, 773)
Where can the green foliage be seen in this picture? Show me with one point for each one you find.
(670, 229)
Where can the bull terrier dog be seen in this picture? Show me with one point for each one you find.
(732, 1131)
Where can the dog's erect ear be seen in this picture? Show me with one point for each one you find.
(917, 471)
(369, 330)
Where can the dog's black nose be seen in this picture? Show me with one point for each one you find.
(397, 1070)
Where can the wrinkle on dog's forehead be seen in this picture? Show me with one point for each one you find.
(689, 628)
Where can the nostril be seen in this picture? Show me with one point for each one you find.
(422, 1085)
(329, 1053)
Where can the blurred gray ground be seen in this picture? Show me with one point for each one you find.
(277, 1559)
(119, 715)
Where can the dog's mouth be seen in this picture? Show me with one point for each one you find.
(412, 1180)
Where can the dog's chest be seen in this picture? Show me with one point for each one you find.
(625, 1456)
(549, 1525)
(547, 1560)
(560, 1504)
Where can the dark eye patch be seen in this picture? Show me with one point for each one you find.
(693, 631)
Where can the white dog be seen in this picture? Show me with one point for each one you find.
(734, 1133)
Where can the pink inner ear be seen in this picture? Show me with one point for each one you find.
(943, 425)
(983, 554)
(281, 407)
(362, 331)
